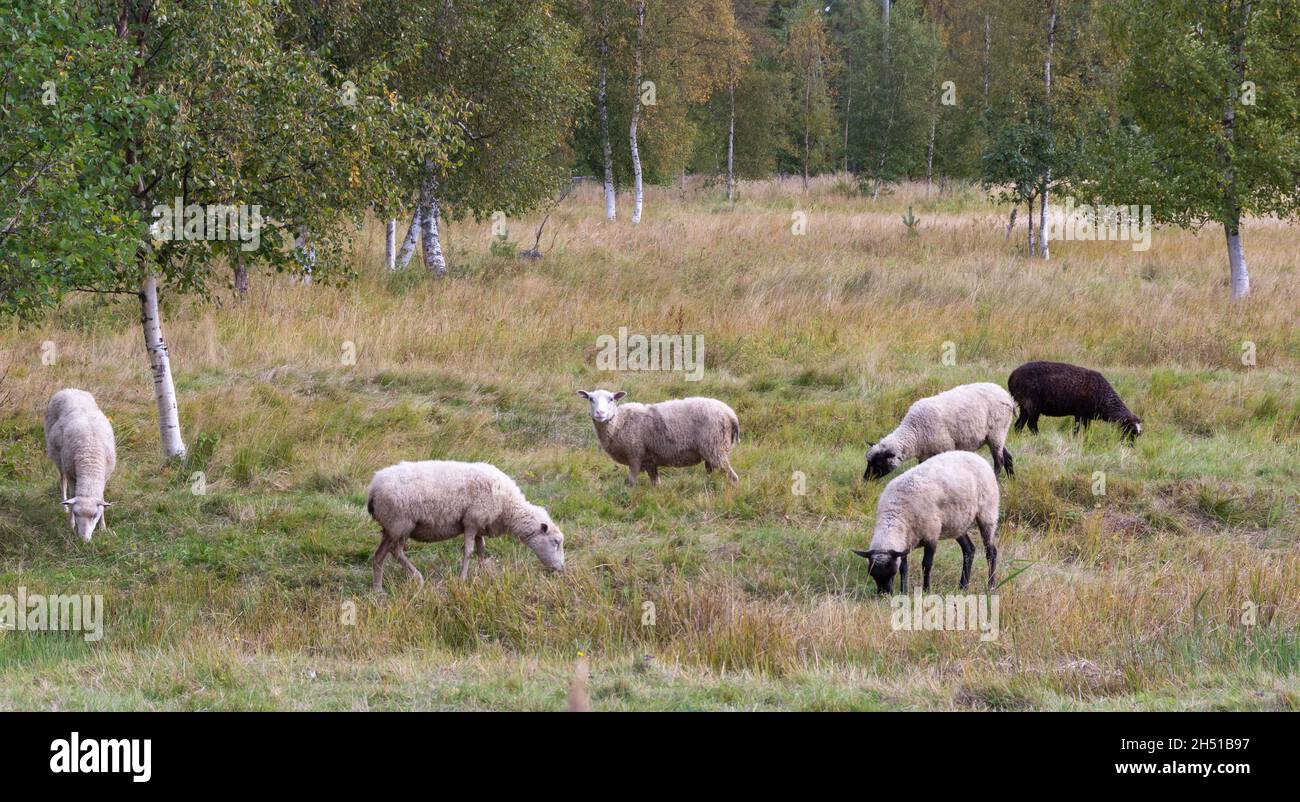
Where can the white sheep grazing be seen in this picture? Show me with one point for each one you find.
(79, 440)
(961, 419)
(936, 500)
(669, 434)
(437, 500)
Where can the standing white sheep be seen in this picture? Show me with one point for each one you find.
(438, 500)
(936, 500)
(79, 441)
(669, 434)
(961, 419)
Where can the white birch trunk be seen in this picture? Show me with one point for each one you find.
(1239, 276)
(164, 390)
(241, 277)
(431, 240)
(306, 253)
(1043, 247)
(611, 205)
(731, 141)
(390, 245)
(1237, 263)
(636, 114)
(412, 239)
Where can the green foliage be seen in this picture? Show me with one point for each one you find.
(1183, 80)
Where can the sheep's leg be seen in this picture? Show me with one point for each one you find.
(902, 574)
(386, 544)
(988, 533)
(103, 520)
(468, 554)
(725, 464)
(967, 558)
(1022, 419)
(480, 547)
(633, 468)
(926, 561)
(1078, 422)
(399, 551)
(63, 485)
(1033, 423)
(653, 472)
(997, 458)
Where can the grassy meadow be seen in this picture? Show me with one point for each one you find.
(244, 596)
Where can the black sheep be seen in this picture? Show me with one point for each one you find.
(1056, 389)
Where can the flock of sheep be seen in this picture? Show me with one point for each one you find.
(939, 498)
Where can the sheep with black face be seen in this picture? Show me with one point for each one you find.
(937, 500)
(1057, 389)
(964, 418)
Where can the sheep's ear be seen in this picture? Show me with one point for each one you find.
(897, 553)
(105, 504)
(68, 502)
(861, 553)
(619, 395)
(544, 527)
(583, 393)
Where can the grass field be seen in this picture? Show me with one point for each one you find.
(241, 597)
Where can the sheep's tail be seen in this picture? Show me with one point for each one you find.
(735, 430)
(370, 505)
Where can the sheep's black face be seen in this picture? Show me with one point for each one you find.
(884, 564)
(1132, 427)
(880, 463)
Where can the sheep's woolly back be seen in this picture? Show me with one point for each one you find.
(447, 496)
(938, 498)
(79, 440)
(960, 419)
(1060, 389)
(674, 433)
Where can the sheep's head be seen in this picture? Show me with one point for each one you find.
(881, 460)
(884, 564)
(546, 541)
(85, 514)
(603, 404)
(1131, 426)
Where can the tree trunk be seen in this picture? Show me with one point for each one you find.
(241, 278)
(431, 240)
(636, 113)
(169, 425)
(1237, 261)
(390, 245)
(884, 17)
(731, 140)
(306, 253)
(929, 152)
(1240, 277)
(807, 125)
(1043, 247)
(987, 43)
(611, 208)
(848, 105)
(412, 239)
(1033, 245)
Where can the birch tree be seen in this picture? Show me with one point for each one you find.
(265, 134)
(1213, 90)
